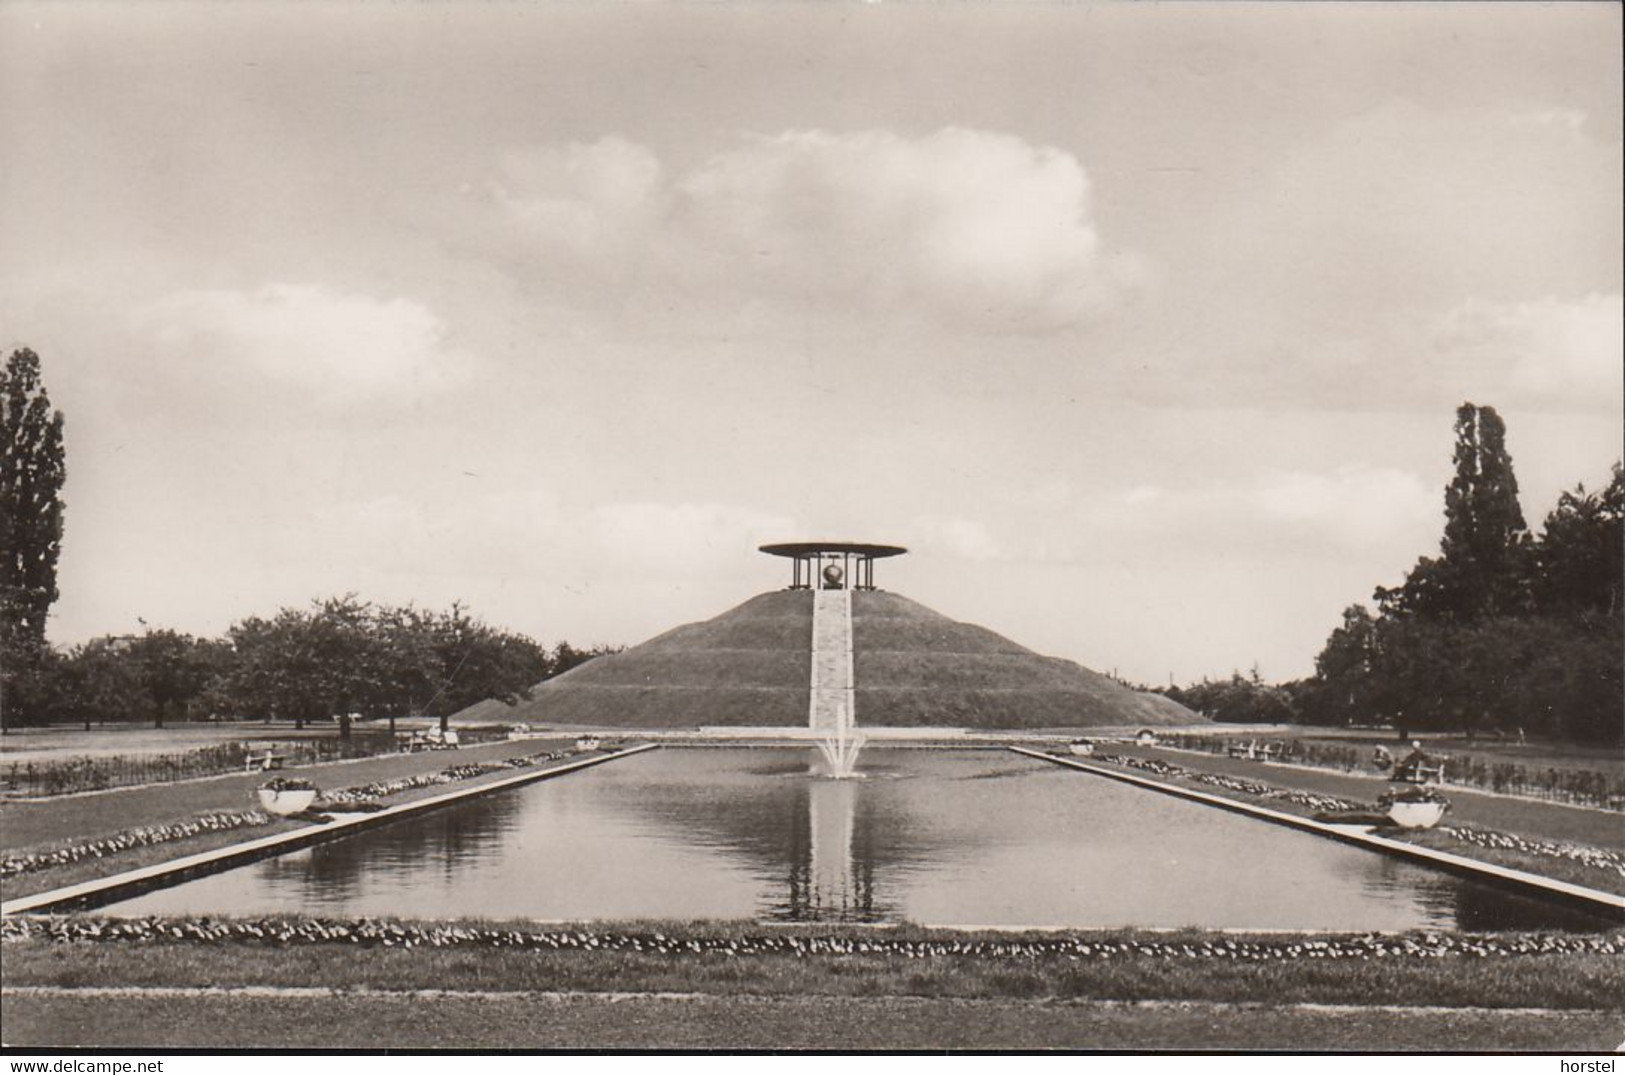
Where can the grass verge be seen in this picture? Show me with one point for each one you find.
(1118, 966)
(772, 1023)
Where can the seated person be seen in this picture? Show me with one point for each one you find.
(1409, 768)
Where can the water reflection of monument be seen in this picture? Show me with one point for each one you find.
(831, 860)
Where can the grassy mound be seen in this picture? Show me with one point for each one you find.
(750, 666)
(917, 667)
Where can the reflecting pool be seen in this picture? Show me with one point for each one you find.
(942, 837)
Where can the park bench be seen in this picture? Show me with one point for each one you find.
(432, 740)
(1430, 770)
(1256, 751)
(263, 762)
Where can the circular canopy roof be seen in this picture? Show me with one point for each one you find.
(814, 548)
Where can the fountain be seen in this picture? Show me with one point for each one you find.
(841, 746)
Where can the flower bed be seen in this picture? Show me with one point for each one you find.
(1596, 857)
(1314, 801)
(373, 933)
(11, 865)
(450, 775)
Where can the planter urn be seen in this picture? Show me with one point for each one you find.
(287, 801)
(1416, 815)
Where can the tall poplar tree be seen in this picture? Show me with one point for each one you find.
(1482, 566)
(32, 470)
(1485, 537)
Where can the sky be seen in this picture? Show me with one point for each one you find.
(1142, 326)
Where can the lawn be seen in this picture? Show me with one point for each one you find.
(738, 958)
(857, 1024)
(1125, 990)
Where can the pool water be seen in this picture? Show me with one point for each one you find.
(939, 837)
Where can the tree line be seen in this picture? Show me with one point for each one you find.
(339, 657)
(1503, 632)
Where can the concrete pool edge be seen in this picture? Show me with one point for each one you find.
(89, 894)
(1589, 899)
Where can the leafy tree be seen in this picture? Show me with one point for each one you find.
(1239, 699)
(477, 662)
(32, 471)
(345, 656)
(1579, 558)
(34, 687)
(173, 670)
(1343, 692)
(1500, 631)
(1485, 537)
(276, 671)
(1483, 554)
(349, 663)
(566, 656)
(407, 649)
(98, 681)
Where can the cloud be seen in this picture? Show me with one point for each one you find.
(594, 199)
(967, 224)
(972, 228)
(338, 346)
(1548, 350)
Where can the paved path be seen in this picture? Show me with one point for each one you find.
(261, 1018)
(832, 681)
